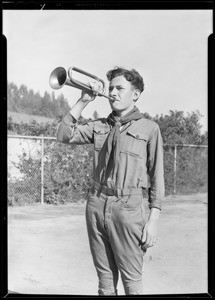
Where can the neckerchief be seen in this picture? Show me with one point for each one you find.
(113, 139)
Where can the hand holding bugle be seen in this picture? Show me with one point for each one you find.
(59, 78)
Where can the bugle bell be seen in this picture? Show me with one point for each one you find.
(59, 77)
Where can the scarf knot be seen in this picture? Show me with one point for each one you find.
(118, 123)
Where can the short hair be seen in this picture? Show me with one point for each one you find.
(133, 76)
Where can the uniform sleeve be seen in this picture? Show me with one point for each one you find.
(69, 132)
(155, 169)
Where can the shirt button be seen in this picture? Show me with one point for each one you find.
(137, 136)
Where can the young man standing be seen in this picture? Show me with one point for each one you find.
(128, 157)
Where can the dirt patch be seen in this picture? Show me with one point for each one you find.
(48, 251)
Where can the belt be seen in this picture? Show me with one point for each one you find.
(117, 192)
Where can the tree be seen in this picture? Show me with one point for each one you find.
(26, 101)
(13, 97)
(176, 128)
(23, 91)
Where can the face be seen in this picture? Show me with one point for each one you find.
(124, 95)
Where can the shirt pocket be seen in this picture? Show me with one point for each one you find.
(100, 135)
(137, 142)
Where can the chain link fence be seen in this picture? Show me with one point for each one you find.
(42, 170)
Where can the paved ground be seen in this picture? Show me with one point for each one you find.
(48, 250)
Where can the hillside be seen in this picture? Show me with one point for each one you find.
(25, 118)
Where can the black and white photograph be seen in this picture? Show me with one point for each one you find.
(107, 151)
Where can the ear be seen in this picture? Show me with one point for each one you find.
(136, 95)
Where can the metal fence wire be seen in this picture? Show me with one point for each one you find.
(42, 170)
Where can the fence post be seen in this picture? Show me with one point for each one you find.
(42, 171)
(175, 166)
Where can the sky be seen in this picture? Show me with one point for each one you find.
(167, 47)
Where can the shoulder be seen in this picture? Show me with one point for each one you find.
(146, 128)
(100, 125)
(146, 125)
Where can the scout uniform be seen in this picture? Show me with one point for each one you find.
(115, 213)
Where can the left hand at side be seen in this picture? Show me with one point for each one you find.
(150, 230)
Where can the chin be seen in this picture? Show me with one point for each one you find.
(115, 107)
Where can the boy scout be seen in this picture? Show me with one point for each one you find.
(128, 158)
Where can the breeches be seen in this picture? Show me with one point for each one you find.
(115, 227)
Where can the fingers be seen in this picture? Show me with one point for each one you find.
(153, 243)
(90, 95)
(147, 239)
(95, 86)
(87, 96)
(148, 244)
(144, 237)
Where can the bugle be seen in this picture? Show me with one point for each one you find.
(59, 77)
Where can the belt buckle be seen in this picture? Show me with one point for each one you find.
(111, 192)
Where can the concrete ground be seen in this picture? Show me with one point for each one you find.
(48, 251)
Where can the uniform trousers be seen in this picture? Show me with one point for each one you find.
(115, 226)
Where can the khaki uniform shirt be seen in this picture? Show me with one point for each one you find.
(140, 162)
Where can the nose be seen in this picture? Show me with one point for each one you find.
(113, 92)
